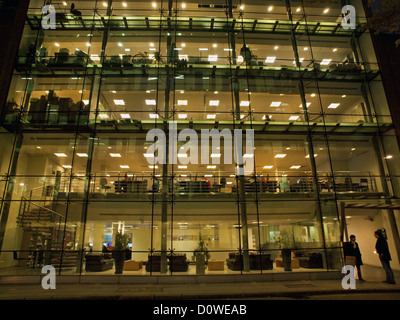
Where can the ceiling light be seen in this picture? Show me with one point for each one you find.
(308, 156)
(151, 102)
(248, 155)
(64, 3)
(305, 48)
(275, 104)
(211, 167)
(241, 7)
(280, 155)
(389, 157)
(125, 116)
(103, 116)
(295, 167)
(326, 10)
(211, 116)
(244, 103)
(153, 116)
(353, 149)
(95, 57)
(182, 167)
(154, 5)
(333, 105)
(240, 59)
(124, 4)
(148, 155)
(123, 166)
(312, 94)
(214, 45)
(105, 4)
(334, 50)
(182, 102)
(214, 102)
(183, 5)
(119, 102)
(268, 167)
(308, 104)
(208, 175)
(293, 118)
(215, 155)
(182, 116)
(57, 44)
(270, 8)
(88, 44)
(67, 166)
(182, 155)
(115, 155)
(119, 44)
(203, 49)
(153, 167)
(298, 10)
(270, 59)
(212, 57)
(344, 96)
(325, 62)
(86, 102)
(61, 155)
(82, 155)
(276, 48)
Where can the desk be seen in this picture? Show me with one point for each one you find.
(295, 263)
(216, 265)
(133, 265)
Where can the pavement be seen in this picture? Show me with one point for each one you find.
(210, 290)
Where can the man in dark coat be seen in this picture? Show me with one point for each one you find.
(357, 254)
(382, 249)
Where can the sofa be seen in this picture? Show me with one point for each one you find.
(98, 262)
(153, 263)
(256, 261)
(309, 260)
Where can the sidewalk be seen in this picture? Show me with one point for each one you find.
(240, 290)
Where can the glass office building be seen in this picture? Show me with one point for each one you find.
(76, 155)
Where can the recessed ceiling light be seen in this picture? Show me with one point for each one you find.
(82, 155)
(125, 116)
(213, 57)
(105, 4)
(326, 10)
(308, 156)
(86, 102)
(353, 149)
(305, 48)
(308, 104)
(270, 8)
(182, 116)
(211, 116)
(203, 49)
(214, 102)
(334, 49)
(293, 118)
(151, 102)
(275, 104)
(124, 166)
(115, 155)
(119, 102)
(88, 44)
(295, 167)
(211, 167)
(182, 167)
(208, 175)
(154, 116)
(241, 7)
(183, 5)
(298, 10)
(124, 4)
(103, 116)
(215, 45)
(344, 96)
(325, 62)
(67, 166)
(182, 102)
(244, 103)
(280, 155)
(64, 3)
(57, 44)
(270, 59)
(333, 105)
(389, 157)
(215, 155)
(119, 44)
(276, 48)
(154, 4)
(268, 167)
(312, 94)
(61, 155)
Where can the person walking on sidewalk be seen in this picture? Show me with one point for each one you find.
(382, 249)
(357, 254)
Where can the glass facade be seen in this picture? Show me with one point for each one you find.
(83, 98)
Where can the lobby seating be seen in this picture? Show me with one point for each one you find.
(99, 262)
(153, 263)
(256, 261)
(178, 262)
(309, 260)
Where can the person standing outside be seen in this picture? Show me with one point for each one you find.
(357, 254)
(382, 249)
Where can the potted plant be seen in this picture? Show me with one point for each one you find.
(121, 243)
(286, 246)
(201, 256)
